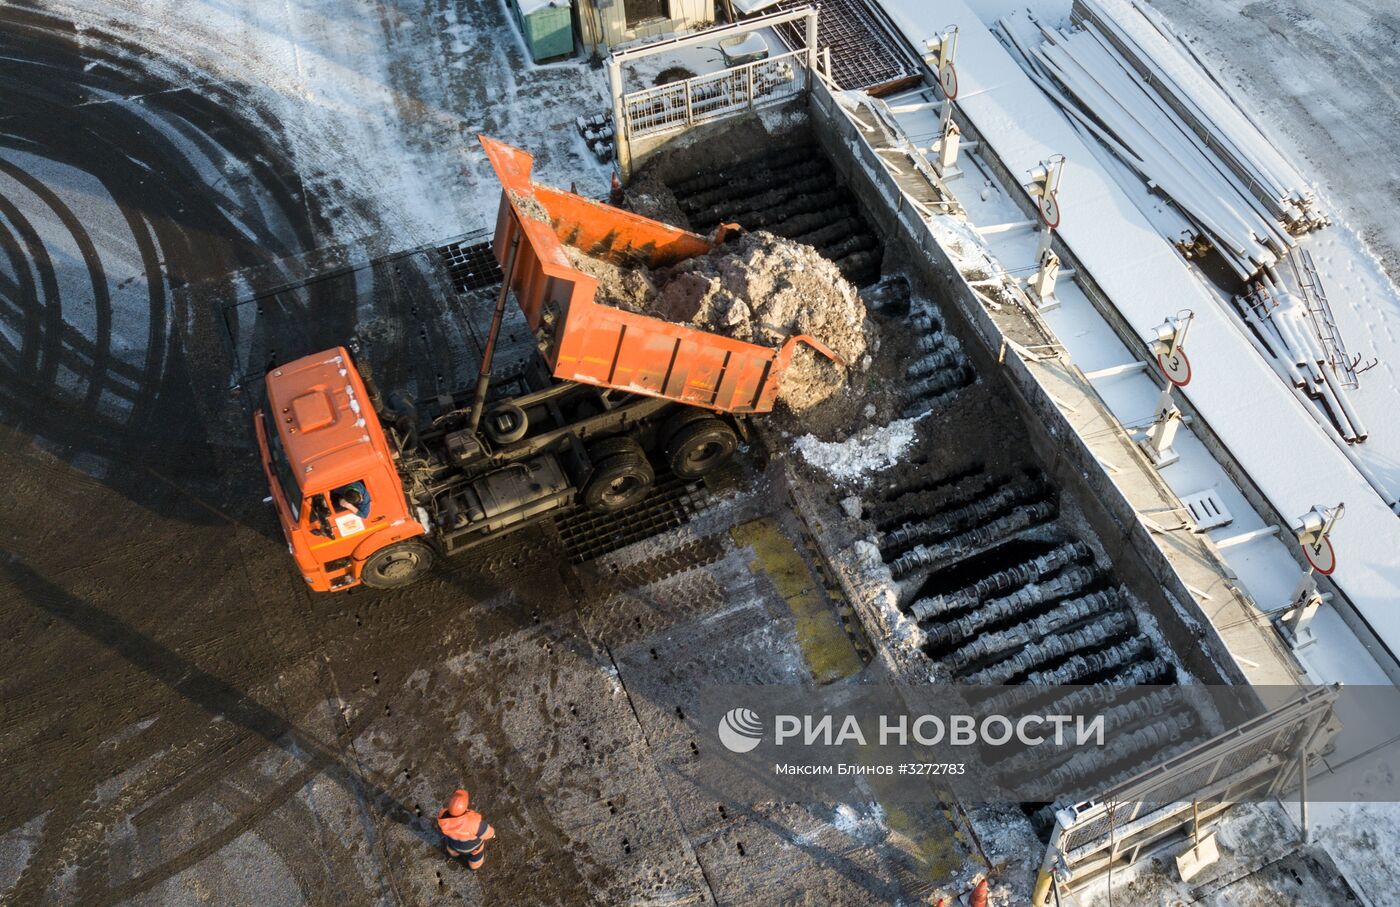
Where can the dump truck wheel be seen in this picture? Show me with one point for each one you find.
(619, 481)
(397, 565)
(607, 448)
(701, 447)
(677, 421)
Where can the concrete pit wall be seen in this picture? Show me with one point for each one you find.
(1066, 458)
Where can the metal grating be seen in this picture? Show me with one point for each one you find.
(1206, 510)
(865, 53)
(408, 289)
(587, 535)
(471, 265)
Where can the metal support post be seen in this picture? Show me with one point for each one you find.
(621, 133)
(1048, 876)
(1161, 434)
(1047, 272)
(1045, 188)
(812, 51)
(946, 163)
(1294, 625)
(1303, 792)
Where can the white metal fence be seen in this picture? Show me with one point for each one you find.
(713, 96)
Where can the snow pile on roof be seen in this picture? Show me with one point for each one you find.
(533, 6)
(752, 6)
(872, 449)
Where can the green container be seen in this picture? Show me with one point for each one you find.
(548, 29)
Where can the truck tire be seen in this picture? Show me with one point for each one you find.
(607, 448)
(397, 565)
(618, 481)
(701, 447)
(677, 421)
(506, 423)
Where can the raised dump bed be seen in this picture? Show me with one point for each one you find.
(589, 342)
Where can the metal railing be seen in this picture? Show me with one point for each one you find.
(714, 96)
(1260, 759)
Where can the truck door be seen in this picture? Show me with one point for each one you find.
(350, 509)
(343, 513)
(316, 517)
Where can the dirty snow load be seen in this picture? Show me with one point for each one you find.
(759, 288)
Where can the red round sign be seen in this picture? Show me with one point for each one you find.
(1049, 205)
(948, 80)
(1177, 367)
(1321, 557)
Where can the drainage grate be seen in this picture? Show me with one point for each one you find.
(587, 535)
(1206, 510)
(864, 53)
(471, 265)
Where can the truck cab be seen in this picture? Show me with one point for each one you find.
(333, 479)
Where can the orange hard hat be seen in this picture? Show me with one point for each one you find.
(458, 804)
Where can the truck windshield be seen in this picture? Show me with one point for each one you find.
(290, 489)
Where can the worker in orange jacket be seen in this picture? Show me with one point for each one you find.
(464, 831)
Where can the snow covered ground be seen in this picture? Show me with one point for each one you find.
(254, 141)
(379, 103)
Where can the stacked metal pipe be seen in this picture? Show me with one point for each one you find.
(1125, 81)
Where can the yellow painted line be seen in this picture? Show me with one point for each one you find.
(825, 646)
(923, 831)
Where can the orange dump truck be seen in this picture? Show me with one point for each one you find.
(366, 495)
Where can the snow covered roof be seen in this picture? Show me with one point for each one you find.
(531, 6)
(1264, 426)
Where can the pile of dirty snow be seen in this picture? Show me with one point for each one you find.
(625, 288)
(871, 449)
(761, 289)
